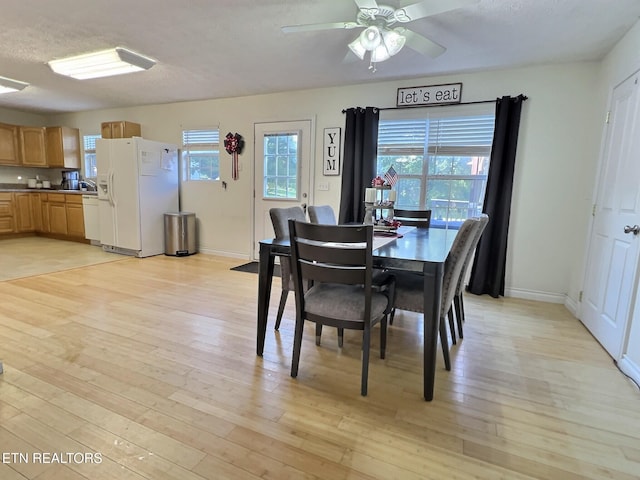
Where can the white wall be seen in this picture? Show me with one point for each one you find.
(557, 154)
(22, 118)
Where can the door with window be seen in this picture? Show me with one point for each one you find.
(614, 246)
(282, 171)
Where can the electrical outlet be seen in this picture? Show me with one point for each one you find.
(323, 186)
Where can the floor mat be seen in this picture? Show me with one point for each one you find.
(253, 267)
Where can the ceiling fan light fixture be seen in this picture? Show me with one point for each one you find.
(370, 38)
(380, 54)
(105, 63)
(357, 48)
(393, 41)
(8, 85)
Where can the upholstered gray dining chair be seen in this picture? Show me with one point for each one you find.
(409, 286)
(337, 261)
(322, 214)
(280, 220)
(458, 303)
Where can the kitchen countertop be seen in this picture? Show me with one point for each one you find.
(12, 187)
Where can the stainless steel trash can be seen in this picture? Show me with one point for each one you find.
(179, 234)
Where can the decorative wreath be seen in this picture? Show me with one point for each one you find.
(233, 143)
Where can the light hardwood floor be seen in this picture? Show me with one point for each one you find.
(151, 364)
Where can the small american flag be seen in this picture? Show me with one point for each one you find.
(391, 176)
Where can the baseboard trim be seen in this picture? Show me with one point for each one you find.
(629, 368)
(535, 295)
(220, 253)
(572, 305)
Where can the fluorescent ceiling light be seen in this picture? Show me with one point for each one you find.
(9, 85)
(105, 63)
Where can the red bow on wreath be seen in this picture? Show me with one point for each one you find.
(233, 145)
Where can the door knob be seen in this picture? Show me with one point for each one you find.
(629, 229)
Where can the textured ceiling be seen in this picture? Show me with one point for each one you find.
(228, 48)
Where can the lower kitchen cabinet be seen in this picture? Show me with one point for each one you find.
(75, 216)
(57, 214)
(7, 223)
(57, 218)
(23, 212)
(36, 211)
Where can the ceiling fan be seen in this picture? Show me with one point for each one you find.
(383, 36)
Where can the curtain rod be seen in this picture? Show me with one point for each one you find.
(524, 97)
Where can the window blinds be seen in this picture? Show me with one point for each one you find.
(436, 135)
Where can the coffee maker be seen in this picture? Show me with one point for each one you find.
(70, 180)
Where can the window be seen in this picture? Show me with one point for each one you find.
(441, 157)
(90, 167)
(201, 154)
(281, 165)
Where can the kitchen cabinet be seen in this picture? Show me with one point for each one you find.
(36, 210)
(63, 147)
(75, 216)
(23, 212)
(54, 214)
(9, 149)
(44, 209)
(32, 146)
(120, 129)
(7, 224)
(57, 213)
(62, 215)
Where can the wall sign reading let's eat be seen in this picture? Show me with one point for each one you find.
(331, 151)
(429, 95)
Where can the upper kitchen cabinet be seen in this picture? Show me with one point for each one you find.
(33, 146)
(9, 149)
(121, 129)
(63, 147)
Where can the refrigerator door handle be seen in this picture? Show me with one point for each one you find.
(110, 191)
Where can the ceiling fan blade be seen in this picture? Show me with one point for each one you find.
(421, 44)
(318, 26)
(366, 4)
(426, 8)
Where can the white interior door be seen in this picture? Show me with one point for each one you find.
(282, 171)
(612, 260)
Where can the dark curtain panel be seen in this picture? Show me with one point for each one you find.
(488, 271)
(358, 167)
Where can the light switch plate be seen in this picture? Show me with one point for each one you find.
(323, 186)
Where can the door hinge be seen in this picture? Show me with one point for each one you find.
(593, 210)
(580, 296)
(606, 120)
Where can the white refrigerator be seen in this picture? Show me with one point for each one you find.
(137, 184)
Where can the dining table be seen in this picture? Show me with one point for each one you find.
(420, 250)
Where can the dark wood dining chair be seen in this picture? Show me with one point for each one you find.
(413, 218)
(458, 303)
(322, 214)
(280, 221)
(409, 286)
(337, 264)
